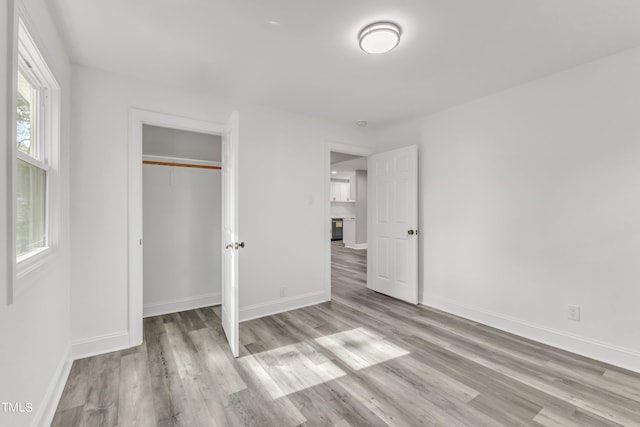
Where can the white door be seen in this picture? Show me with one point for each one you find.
(392, 258)
(230, 309)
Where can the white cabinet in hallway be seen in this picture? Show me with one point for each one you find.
(340, 191)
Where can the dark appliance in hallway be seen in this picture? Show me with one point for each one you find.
(336, 229)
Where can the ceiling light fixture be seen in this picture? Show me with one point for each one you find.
(334, 172)
(379, 37)
(361, 123)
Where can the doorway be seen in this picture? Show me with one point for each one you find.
(229, 214)
(346, 214)
(391, 220)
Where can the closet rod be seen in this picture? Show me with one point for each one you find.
(182, 165)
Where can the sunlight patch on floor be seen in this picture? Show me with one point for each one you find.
(360, 348)
(291, 368)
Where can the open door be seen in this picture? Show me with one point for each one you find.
(392, 258)
(230, 309)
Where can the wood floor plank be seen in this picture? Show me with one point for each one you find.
(68, 417)
(371, 397)
(188, 370)
(135, 408)
(362, 359)
(77, 387)
(213, 358)
(191, 320)
(263, 388)
(555, 418)
(101, 407)
(330, 403)
(169, 400)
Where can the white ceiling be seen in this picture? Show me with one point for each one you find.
(341, 157)
(451, 51)
(348, 168)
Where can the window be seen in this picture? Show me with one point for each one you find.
(31, 170)
(36, 151)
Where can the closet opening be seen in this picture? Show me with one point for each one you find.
(181, 213)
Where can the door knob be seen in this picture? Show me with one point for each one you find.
(410, 232)
(239, 245)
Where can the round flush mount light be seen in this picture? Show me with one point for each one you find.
(379, 37)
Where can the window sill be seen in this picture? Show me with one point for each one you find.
(29, 262)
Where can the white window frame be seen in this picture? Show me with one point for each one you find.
(29, 59)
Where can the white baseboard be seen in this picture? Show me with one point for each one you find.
(598, 350)
(357, 246)
(47, 409)
(284, 304)
(120, 340)
(101, 344)
(182, 304)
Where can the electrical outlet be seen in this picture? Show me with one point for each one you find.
(574, 312)
(283, 292)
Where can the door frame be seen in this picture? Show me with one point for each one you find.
(138, 118)
(355, 150)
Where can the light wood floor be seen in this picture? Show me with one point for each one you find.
(362, 360)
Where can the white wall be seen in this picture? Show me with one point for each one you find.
(343, 209)
(34, 331)
(530, 201)
(183, 144)
(182, 250)
(361, 206)
(281, 182)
